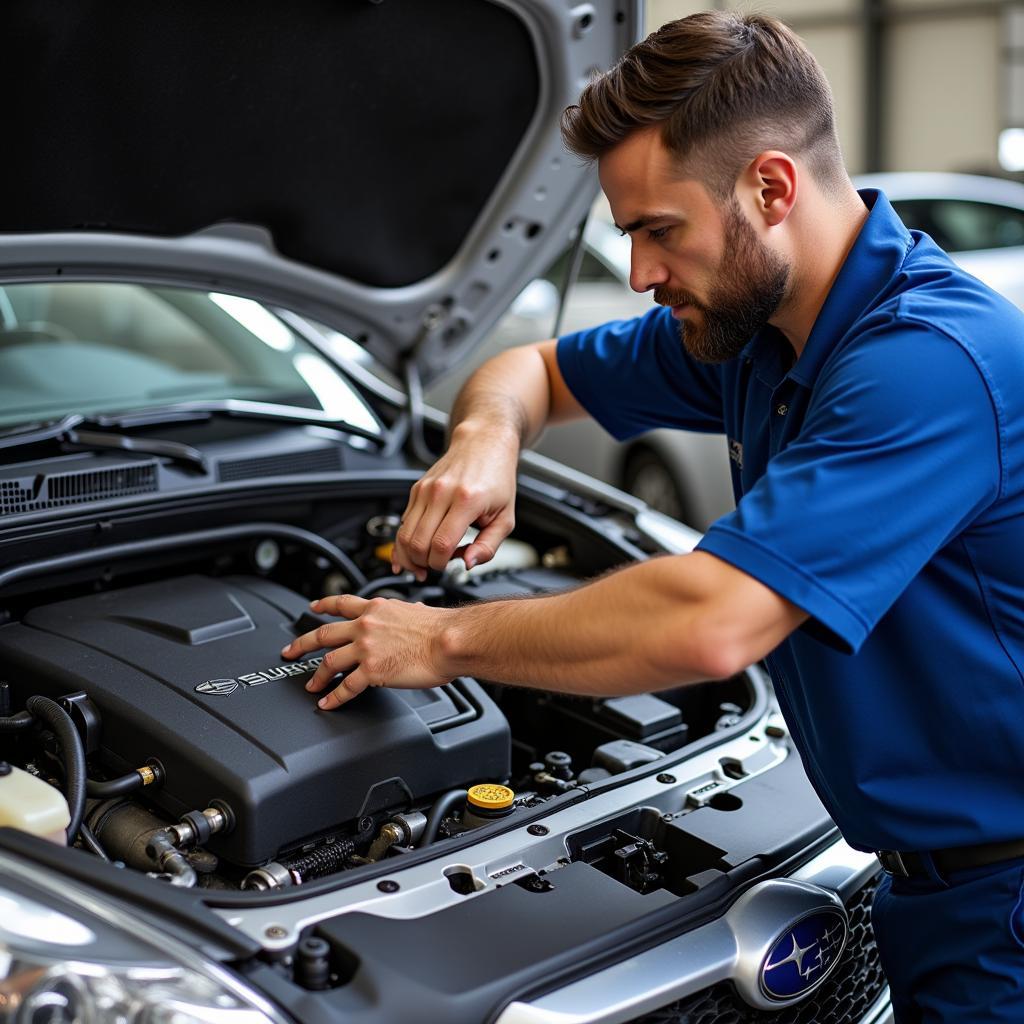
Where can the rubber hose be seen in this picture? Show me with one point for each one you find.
(22, 720)
(114, 787)
(72, 754)
(443, 806)
(385, 583)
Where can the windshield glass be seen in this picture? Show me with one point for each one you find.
(92, 347)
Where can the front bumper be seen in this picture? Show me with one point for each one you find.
(690, 979)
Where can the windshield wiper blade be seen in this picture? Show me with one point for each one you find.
(178, 412)
(176, 450)
(40, 431)
(67, 428)
(65, 431)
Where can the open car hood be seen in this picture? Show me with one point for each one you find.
(391, 168)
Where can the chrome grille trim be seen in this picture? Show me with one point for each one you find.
(683, 966)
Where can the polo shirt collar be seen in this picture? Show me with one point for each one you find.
(876, 255)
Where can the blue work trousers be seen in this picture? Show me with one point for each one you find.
(953, 949)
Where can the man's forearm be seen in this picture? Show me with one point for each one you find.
(650, 626)
(653, 625)
(507, 396)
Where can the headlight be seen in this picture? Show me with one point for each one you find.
(90, 993)
(76, 959)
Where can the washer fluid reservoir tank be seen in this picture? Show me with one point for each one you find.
(32, 805)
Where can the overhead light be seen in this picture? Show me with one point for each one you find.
(1011, 149)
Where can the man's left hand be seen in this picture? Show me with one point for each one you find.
(378, 642)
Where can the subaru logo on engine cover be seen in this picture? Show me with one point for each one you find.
(218, 686)
(805, 955)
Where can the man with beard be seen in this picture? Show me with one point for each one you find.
(873, 395)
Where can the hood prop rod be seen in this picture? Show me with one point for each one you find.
(572, 271)
(432, 320)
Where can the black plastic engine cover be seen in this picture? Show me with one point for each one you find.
(190, 671)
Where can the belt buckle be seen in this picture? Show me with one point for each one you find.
(892, 863)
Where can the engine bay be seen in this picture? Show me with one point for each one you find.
(189, 671)
(204, 762)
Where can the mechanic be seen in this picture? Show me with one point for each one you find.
(873, 398)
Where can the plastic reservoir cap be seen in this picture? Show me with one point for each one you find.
(490, 796)
(385, 551)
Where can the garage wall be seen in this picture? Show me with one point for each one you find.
(943, 96)
(946, 75)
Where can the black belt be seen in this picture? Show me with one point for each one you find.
(957, 858)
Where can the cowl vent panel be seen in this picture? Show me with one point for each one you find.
(39, 492)
(314, 460)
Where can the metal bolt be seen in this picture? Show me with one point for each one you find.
(383, 527)
(388, 885)
(534, 883)
(666, 778)
(267, 554)
(538, 830)
(275, 931)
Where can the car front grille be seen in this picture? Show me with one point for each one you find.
(845, 998)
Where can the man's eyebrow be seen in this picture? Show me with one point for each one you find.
(642, 222)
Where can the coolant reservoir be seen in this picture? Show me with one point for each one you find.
(31, 805)
(513, 554)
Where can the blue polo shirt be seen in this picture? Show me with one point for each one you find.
(880, 487)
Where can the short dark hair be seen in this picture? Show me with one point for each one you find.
(723, 86)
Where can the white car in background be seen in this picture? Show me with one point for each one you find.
(978, 220)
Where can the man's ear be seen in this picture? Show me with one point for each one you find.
(769, 186)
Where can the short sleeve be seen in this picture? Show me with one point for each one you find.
(634, 375)
(898, 453)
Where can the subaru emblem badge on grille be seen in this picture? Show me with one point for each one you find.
(219, 687)
(790, 936)
(804, 956)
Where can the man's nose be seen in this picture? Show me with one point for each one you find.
(646, 270)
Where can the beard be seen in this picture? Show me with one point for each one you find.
(750, 286)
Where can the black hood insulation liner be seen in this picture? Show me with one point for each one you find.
(312, 119)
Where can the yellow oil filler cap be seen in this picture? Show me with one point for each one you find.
(486, 803)
(489, 796)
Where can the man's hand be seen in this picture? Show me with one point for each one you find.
(503, 406)
(473, 483)
(378, 643)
